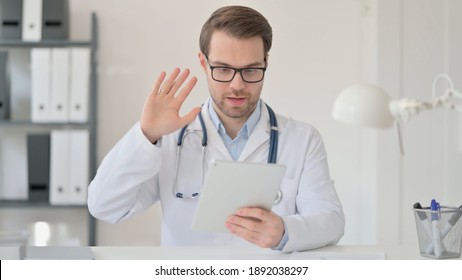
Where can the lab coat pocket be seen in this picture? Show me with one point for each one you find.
(286, 206)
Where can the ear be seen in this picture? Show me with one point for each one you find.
(267, 60)
(202, 61)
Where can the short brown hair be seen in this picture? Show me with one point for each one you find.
(239, 22)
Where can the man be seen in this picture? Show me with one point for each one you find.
(143, 167)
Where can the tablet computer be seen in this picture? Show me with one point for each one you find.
(230, 185)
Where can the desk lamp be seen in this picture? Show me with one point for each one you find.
(369, 105)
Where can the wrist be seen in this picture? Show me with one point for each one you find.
(151, 137)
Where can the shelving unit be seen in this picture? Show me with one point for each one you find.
(91, 125)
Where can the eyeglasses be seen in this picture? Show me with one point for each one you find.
(226, 74)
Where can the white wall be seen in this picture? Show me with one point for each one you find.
(320, 47)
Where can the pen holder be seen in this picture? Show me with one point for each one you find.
(439, 232)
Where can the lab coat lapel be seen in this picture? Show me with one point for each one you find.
(260, 136)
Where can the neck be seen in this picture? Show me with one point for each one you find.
(231, 125)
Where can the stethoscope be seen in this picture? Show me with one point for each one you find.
(272, 153)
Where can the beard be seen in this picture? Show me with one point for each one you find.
(235, 104)
(244, 110)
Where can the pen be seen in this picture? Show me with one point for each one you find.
(425, 221)
(435, 207)
(452, 221)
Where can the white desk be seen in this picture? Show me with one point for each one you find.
(237, 253)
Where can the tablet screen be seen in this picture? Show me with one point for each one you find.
(230, 185)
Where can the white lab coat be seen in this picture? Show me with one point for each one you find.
(136, 174)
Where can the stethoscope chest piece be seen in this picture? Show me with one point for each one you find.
(278, 198)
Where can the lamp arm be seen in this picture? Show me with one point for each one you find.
(403, 109)
(437, 79)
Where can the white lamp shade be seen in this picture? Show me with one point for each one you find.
(364, 105)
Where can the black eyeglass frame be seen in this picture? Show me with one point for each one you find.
(235, 71)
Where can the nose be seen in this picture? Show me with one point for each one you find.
(237, 83)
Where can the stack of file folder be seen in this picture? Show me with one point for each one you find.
(34, 20)
(60, 84)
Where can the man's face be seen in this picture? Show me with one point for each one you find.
(235, 99)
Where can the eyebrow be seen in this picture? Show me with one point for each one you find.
(220, 63)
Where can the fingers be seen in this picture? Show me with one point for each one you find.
(245, 234)
(178, 82)
(173, 83)
(188, 118)
(187, 89)
(258, 226)
(160, 115)
(167, 86)
(256, 213)
(158, 82)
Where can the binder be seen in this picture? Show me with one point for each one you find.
(79, 166)
(32, 20)
(55, 19)
(4, 86)
(59, 170)
(14, 180)
(40, 84)
(41, 19)
(38, 162)
(1, 164)
(69, 167)
(10, 19)
(79, 84)
(60, 84)
(2, 183)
